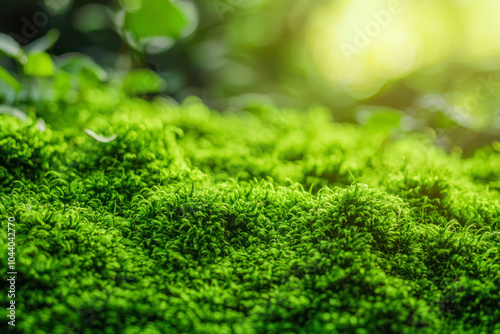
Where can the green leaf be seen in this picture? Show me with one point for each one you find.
(44, 43)
(39, 64)
(380, 119)
(9, 79)
(143, 82)
(80, 65)
(155, 18)
(99, 14)
(10, 47)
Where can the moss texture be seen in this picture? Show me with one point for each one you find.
(263, 221)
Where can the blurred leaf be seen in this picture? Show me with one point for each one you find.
(44, 43)
(57, 6)
(143, 82)
(380, 118)
(98, 13)
(10, 47)
(158, 44)
(9, 79)
(80, 64)
(39, 64)
(155, 18)
(8, 110)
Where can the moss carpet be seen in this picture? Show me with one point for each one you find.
(264, 221)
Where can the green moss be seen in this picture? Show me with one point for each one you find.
(253, 222)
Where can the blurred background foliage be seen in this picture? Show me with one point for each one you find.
(426, 66)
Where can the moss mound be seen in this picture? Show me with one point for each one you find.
(262, 221)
